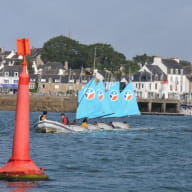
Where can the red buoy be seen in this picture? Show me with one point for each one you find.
(20, 166)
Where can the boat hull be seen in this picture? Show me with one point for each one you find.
(48, 126)
(120, 125)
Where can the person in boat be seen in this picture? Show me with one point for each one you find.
(126, 123)
(43, 116)
(74, 122)
(65, 119)
(95, 123)
(111, 124)
(84, 122)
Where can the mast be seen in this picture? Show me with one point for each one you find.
(94, 59)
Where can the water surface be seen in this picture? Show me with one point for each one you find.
(154, 155)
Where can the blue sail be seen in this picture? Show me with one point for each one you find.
(114, 100)
(88, 100)
(129, 101)
(104, 102)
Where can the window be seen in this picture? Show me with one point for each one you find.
(43, 80)
(43, 86)
(16, 74)
(6, 81)
(31, 86)
(6, 74)
(57, 81)
(32, 80)
(155, 85)
(15, 81)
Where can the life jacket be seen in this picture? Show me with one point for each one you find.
(65, 121)
(84, 124)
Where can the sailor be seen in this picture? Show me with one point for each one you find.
(43, 116)
(111, 124)
(84, 122)
(65, 119)
(74, 122)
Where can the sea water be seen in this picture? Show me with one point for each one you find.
(155, 155)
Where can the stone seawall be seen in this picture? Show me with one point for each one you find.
(41, 103)
(69, 104)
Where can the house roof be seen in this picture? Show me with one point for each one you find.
(146, 76)
(52, 65)
(154, 69)
(171, 63)
(35, 52)
(51, 68)
(187, 70)
(63, 78)
(12, 69)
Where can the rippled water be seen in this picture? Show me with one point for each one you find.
(155, 155)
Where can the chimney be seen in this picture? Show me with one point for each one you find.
(66, 65)
(157, 60)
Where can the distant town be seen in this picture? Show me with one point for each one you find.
(163, 78)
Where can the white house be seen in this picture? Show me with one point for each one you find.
(9, 76)
(164, 78)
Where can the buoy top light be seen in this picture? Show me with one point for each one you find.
(23, 47)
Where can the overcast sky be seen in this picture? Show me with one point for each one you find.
(132, 27)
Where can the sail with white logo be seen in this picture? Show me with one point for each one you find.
(88, 100)
(114, 100)
(129, 101)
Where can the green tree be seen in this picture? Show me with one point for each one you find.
(63, 49)
(105, 57)
(143, 59)
(185, 63)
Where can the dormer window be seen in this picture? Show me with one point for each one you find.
(156, 77)
(6, 74)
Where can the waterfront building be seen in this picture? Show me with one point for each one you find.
(55, 78)
(9, 76)
(164, 78)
